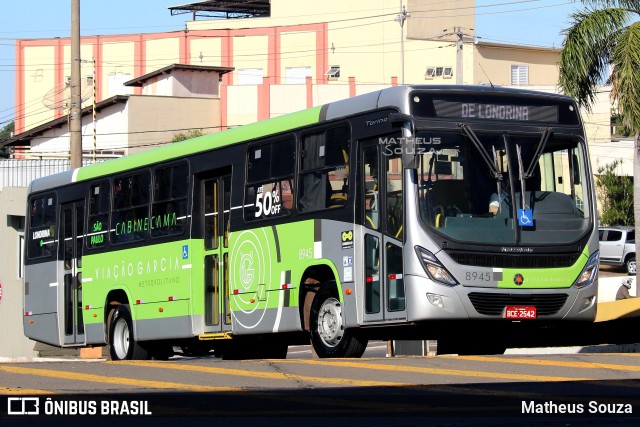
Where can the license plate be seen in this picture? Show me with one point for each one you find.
(520, 312)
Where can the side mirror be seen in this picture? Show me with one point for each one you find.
(408, 145)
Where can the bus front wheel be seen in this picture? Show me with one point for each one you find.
(122, 343)
(328, 334)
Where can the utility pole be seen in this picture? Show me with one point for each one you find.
(459, 36)
(459, 57)
(75, 115)
(400, 19)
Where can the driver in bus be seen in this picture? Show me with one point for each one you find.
(495, 202)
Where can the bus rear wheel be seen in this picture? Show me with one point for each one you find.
(328, 334)
(122, 343)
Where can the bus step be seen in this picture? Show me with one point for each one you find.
(215, 336)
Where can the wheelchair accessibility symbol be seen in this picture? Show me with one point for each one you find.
(525, 218)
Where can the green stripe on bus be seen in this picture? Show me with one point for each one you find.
(545, 278)
(203, 143)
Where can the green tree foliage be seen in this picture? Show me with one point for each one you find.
(615, 194)
(181, 136)
(621, 130)
(5, 134)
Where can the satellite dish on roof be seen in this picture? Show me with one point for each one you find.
(59, 97)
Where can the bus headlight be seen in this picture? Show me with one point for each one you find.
(589, 272)
(433, 268)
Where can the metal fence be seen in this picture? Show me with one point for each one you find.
(20, 173)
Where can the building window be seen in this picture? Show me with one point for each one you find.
(333, 72)
(442, 72)
(519, 75)
(296, 75)
(430, 73)
(250, 76)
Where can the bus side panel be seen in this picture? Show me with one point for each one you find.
(156, 279)
(162, 320)
(266, 269)
(266, 265)
(335, 242)
(41, 302)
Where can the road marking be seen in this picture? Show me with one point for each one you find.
(113, 380)
(540, 362)
(22, 391)
(259, 374)
(437, 371)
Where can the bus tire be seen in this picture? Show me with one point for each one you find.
(328, 334)
(122, 343)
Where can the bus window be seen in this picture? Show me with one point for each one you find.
(324, 176)
(561, 172)
(169, 207)
(130, 217)
(99, 199)
(42, 227)
(394, 195)
(269, 190)
(371, 187)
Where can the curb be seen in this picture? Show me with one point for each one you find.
(605, 348)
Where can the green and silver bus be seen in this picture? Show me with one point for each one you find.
(453, 213)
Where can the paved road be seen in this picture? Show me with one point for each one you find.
(578, 388)
(374, 390)
(612, 271)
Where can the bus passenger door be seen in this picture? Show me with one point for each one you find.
(214, 214)
(381, 183)
(70, 253)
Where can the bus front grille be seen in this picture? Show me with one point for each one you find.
(514, 260)
(493, 304)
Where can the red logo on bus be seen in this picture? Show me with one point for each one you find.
(518, 279)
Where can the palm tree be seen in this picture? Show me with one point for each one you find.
(603, 44)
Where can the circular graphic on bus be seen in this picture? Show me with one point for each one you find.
(250, 275)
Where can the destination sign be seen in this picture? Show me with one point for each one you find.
(495, 111)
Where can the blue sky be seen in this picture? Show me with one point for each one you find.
(535, 22)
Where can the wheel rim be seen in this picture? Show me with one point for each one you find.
(330, 328)
(631, 267)
(121, 339)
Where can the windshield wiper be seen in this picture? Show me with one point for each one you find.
(523, 176)
(483, 153)
(534, 160)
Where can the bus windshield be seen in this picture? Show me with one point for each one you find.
(503, 188)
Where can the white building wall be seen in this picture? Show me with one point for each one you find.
(13, 344)
(111, 130)
(287, 98)
(242, 105)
